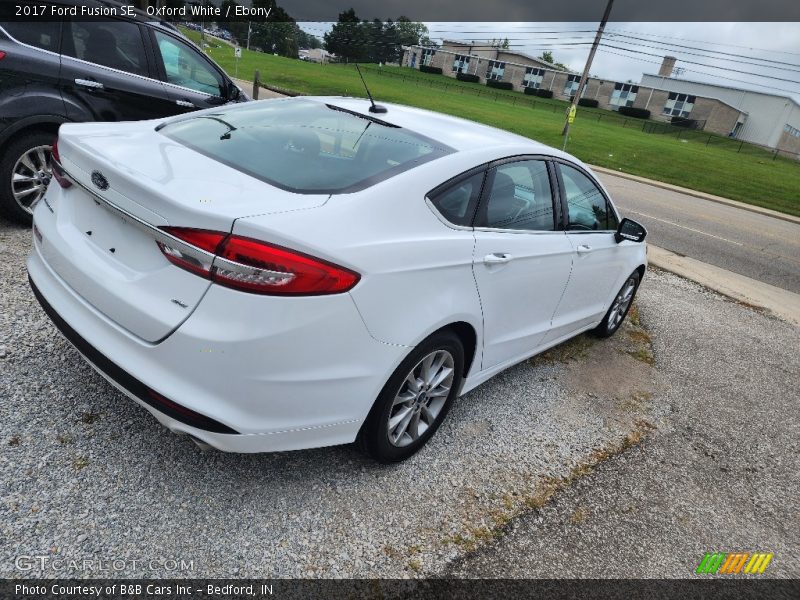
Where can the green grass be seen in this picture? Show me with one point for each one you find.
(751, 176)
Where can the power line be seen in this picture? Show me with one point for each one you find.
(654, 62)
(707, 65)
(672, 37)
(778, 62)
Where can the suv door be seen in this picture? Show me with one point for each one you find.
(107, 73)
(191, 80)
(599, 261)
(521, 260)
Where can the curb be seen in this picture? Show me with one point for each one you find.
(703, 195)
(779, 302)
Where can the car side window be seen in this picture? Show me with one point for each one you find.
(587, 207)
(519, 198)
(114, 44)
(185, 68)
(41, 34)
(457, 203)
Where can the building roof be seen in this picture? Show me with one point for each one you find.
(726, 87)
(549, 65)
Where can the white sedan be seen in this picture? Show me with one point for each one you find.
(304, 272)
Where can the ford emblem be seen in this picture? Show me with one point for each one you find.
(99, 180)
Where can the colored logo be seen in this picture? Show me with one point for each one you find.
(734, 563)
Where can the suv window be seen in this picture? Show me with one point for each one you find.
(185, 68)
(457, 203)
(42, 34)
(115, 44)
(587, 207)
(520, 198)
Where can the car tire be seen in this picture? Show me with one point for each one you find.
(412, 406)
(27, 145)
(619, 307)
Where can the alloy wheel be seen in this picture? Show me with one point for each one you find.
(30, 176)
(621, 304)
(421, 397)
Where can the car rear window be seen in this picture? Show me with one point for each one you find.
(305, 146)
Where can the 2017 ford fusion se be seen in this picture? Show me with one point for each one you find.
(304, 272)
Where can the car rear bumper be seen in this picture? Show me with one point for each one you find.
(244, 373)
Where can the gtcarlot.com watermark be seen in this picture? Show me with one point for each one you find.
(100, 566)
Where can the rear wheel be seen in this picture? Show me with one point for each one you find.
(619, 307)
(25, 171)
(415, 400)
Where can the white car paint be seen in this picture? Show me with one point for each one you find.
(300, 372)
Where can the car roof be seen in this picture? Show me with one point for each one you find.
(460, 134)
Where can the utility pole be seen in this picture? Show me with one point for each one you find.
(573, 107)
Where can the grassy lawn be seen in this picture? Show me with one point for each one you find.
(751, 176)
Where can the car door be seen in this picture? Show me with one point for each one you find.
(521, 260)
(191, 80)
(599, 260)
(106, 72)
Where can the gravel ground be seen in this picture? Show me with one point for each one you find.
(720, 474)
(87, 474)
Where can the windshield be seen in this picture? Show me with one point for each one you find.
(304, 146)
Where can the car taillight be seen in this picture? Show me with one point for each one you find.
(253, 266)
(55, 167)
(2, 55)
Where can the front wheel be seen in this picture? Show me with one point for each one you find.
(619, 307)
(415, 400)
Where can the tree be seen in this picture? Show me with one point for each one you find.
(279, 34)
(547, 56)
(373, 41)
(500, 44)
(411, 33)
(238, 29)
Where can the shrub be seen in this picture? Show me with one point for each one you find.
(427, 69)
(539, 92)
(501, 85)
(468, 77)
(637, 113)
(589, 102)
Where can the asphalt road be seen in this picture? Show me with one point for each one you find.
(757, 246)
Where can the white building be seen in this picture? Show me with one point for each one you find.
(772, 120)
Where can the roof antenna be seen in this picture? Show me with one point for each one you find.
(375, 108)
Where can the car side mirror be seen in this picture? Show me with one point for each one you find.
(631, 231)
(234, 93)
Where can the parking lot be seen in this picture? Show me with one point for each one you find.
(87, 474)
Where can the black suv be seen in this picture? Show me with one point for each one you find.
(110, 69)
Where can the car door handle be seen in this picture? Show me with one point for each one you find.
(184, 103)
(498, 258)
(88, 83)
(583, 249)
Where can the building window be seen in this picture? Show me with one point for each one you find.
(495, 70)
(461, 63)
(571, 87)
(533, 78)
(624, 94)
(679, 105)
(427, 56)
(791, 130)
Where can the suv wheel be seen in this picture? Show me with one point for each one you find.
(415, 400)
(25, 172)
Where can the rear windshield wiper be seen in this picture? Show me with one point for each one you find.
(365, 117)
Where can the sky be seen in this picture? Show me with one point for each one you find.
(759, 56)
